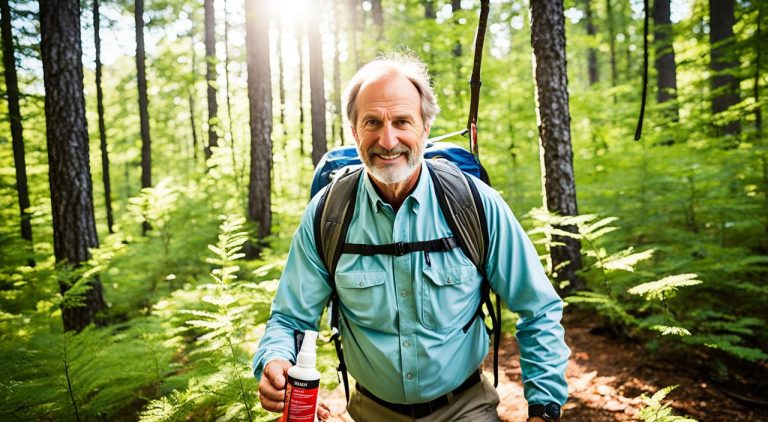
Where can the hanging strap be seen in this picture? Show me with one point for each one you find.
(444, 244)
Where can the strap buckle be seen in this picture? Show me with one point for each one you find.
(401, 248)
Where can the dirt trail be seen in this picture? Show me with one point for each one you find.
(606, 378)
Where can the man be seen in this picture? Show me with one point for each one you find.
(403, 315)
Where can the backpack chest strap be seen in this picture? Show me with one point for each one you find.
(444, 244)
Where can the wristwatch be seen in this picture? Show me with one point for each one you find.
(550, 412)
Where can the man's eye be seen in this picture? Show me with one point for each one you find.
(402, 122)
(371, 122)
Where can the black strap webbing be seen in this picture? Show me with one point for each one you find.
(444, 244)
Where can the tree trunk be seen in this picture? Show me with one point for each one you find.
(455, 7)
(230, 123)
(210, 77)
(378, 15)
(666, 71)
(429, 9)
(612, 42)
(549, 64)
(724, 85)
(338, 120)
(260, 99)
(146, 142)
(317, 89)
(192, 93)
(74, 229)
(102, 128)
(300, 45)
(594, 76)
(14, 115)
(281, 75)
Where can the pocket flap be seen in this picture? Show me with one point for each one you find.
(449, 276)
(360, 279)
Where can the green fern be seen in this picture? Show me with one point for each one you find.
(656, 411)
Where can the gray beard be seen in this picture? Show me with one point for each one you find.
(393, 174)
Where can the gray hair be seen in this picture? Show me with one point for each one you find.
(409, 66)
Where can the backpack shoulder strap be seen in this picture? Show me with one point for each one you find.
(333, 215)
(464, 212)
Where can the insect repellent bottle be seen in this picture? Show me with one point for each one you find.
(303, 384)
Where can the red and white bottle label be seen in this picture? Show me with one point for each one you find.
(300, 400)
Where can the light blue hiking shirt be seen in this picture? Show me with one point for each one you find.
(402, 318)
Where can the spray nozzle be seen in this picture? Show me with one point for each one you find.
(307, 354)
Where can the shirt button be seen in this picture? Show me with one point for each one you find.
(409, 375)
(406, 343)
(403, 293)
(362, 284)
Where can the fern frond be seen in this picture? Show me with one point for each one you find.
(660, 289)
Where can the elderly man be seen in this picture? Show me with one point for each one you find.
(403, 335)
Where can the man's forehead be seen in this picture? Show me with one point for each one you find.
(388, 87)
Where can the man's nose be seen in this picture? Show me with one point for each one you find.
(388, 138)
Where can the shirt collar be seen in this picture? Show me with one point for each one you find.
(419, 194)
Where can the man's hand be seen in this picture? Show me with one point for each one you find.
(272, 385)
(272, 388)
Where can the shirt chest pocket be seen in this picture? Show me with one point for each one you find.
(449, 296)
(367, 298)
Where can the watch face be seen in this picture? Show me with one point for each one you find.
(552, 411)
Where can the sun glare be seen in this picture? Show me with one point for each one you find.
(291, 12)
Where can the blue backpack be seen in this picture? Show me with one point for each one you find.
(460, 203)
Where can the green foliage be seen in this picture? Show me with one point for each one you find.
(656, 411)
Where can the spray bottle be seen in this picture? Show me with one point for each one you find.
(303, 384)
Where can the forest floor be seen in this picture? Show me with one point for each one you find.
(606, 378)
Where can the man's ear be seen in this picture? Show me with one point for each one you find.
(353, 129)
(427, 128)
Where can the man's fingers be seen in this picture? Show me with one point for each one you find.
(323, 411)
(272, 385)
(275, 371)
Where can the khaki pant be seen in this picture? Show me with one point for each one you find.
(477, 404)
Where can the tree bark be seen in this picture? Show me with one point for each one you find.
(14, 116)
(592, 68)
(354, 29)
(317, 90)
(666, 70)
(210, 77)
(724, 85)
(192, 93)
(102, 128)
(455, 7)
(260, 99)
(553, 115)
(378, 15)
(230, 123)
(74, 229)
(146, 141)
(612, 42)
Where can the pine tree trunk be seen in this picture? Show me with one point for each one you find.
(666, 70)
(230, 123)
(14, 115)
(146, 142)
(193, 94)
(302, 119)
(260, 99)
(455, 7)
(317, 90)
(338, 121)
(612, 42)
(378, 15)
(725, 86)
(74, 229)
(594, 76)
(281, 76)
(548, 41)
(210, 77)
(102, 128)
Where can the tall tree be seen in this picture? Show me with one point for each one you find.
(141, 76)
(666, 70)
(102, 128)
(230, 122)
(592, 68)
(455, 7)
(338, 120)
(317, 89)
(723, 62)
(354, 28)
(74, 229)
(210, 77)
(378, 15)
(281, 75)
(14, 115)
(553, 115)
(300, 46)
(192, 91)
(611, 22)
(260, 99)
